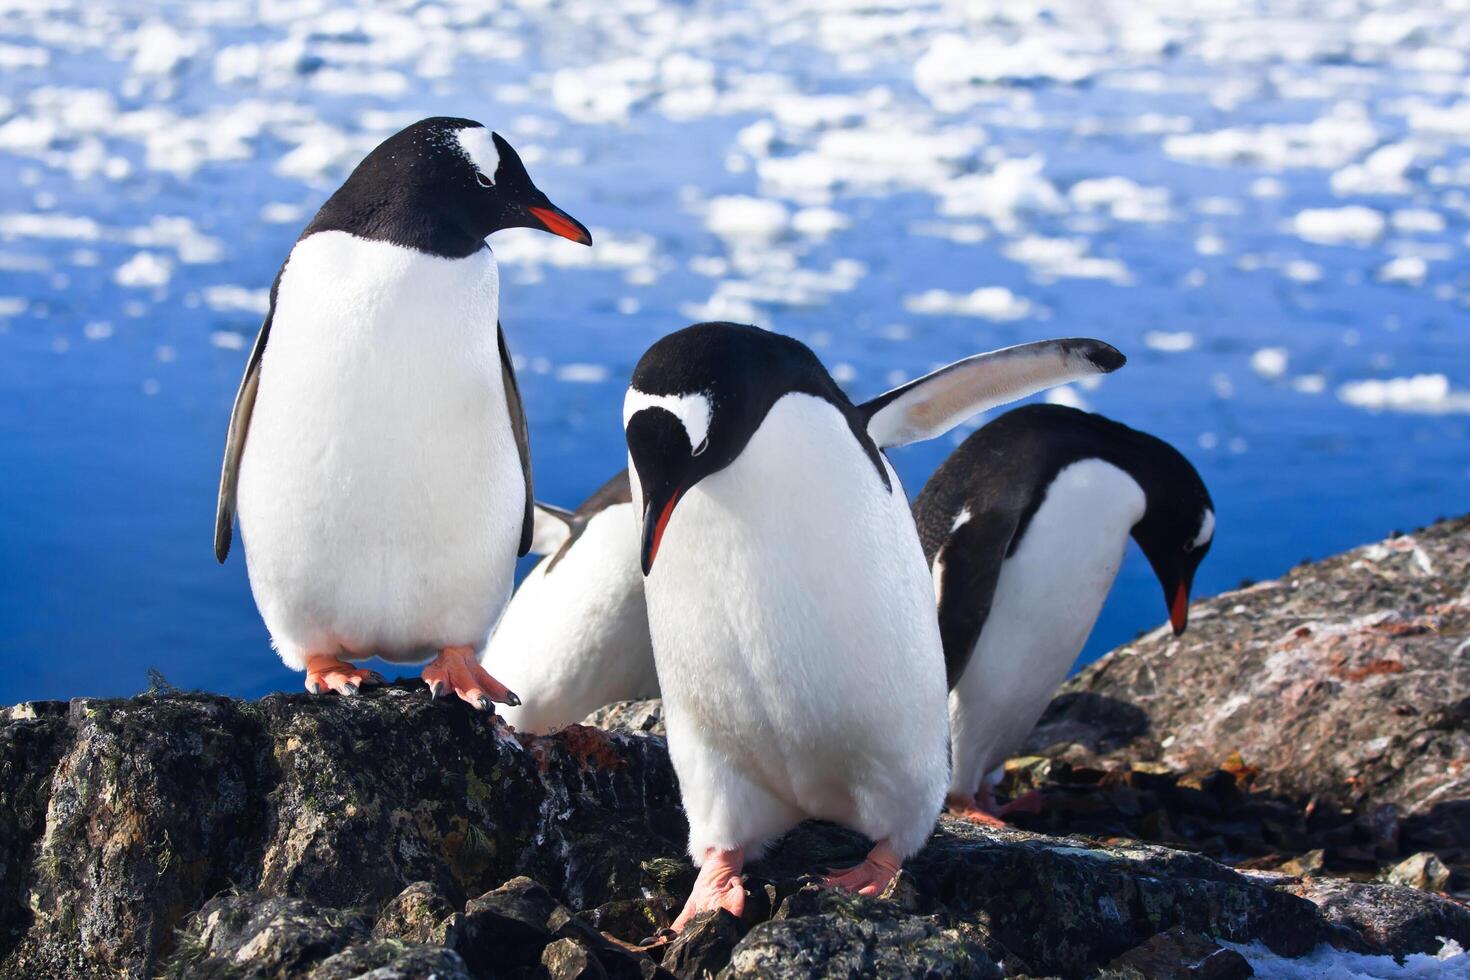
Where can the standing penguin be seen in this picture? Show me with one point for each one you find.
(377, 451)
(791, 611)
(1024, 526)
(575, 635)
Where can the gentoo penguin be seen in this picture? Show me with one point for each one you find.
(575, 635)
(377, 450)
(790, 607)
(1024, 526)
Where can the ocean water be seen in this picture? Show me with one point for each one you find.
(1265, 205)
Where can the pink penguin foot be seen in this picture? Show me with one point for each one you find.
(977, 808)
(327, 673)
(718, 886)
(872, 877)
(457, 670)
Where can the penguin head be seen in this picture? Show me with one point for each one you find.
(696, 398)
(450, 180)
(1177, 528)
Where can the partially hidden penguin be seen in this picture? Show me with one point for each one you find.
(790, 607)
(377, 452)
(575, 635)
(1025, 526)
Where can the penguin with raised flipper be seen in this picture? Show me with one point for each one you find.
(377, 451)
(790, 607)
(575, 635)
(1024, 526)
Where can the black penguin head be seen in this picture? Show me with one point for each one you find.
(696, 399)
(442, 186)
(1178, 524)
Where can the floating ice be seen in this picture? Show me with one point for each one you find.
(1407, 269)
(1269, 362)
(1012, 189)
(1354, 224)
(954, 66)
(1426, 394)
(1175, 342)
(143, 270)
(238, 298)
(1064, 258)
(1328, 142)
(749, 218)
(989, 302)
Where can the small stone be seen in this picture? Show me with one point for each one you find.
(567, 959)
(1178, 955)
(1310, 863)
(419, 914)
(1424, 871)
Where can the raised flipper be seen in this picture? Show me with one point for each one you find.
(932, 405)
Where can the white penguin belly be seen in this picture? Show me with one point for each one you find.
(381, 492)
(797, 644)
(576, 637)
(1046, 600)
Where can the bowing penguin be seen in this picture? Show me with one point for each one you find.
(575, 635)
(1024, 527)
(790, 607)
(377, 452)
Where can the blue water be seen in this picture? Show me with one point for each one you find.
(114, 395)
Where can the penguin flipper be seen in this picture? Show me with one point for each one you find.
(522, 433)
(551, 528)
(932, 405)
(229, 477)
(970, 563)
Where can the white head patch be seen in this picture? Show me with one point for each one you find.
(1206, 530)
(692, 411)
(477, 146)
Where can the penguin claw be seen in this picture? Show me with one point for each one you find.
(328, 673)
(457, 670)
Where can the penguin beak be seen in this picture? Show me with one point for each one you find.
(558, 222)
(1179, 609)
(656, 515)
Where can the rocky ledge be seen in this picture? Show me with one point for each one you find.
(1188, 829)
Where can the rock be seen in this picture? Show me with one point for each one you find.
(1423, 871)
(704, 947)
(388, 960)
(566, 959)
(1387, 919)
(1341, 682)
(190, 835)
(263, 936)
(819, 933)
(421, 913)
(630, 716)
(1178, 955)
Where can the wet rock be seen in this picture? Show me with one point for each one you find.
(1423, 871)
(646, 717)
(1178, 955)
(704, 947)
(1387, 919)
(1343, 682)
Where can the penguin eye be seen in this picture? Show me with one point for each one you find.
(703, 445)
(482, 180)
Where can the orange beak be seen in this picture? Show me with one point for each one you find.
(1179, 610)
(558, 222)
